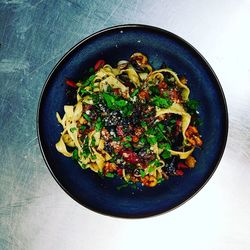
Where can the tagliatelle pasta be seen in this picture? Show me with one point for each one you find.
(131, 122)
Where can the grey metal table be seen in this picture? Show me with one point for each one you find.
(35, 213)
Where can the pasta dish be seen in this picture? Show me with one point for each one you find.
(131, 122)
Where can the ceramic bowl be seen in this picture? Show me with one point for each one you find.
(113, 44)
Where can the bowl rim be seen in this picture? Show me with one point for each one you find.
(175, 37)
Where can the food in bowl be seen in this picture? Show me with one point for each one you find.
(131, 121)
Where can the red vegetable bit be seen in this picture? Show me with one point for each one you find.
(99, 64)
(179, 172)
(181, 165)
(130, 156)
(71, 83)
(117, 91)
(119, 171)
(119, 131)
(163, 85)
(143, 94)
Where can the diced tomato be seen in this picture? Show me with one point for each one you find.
(162, 85)
(99, 64)
(130, 156)
(135, 138)
(143, 94)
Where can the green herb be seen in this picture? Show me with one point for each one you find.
(154, 90)
(155, 162)
(110, 175)
(192, 104)
(98, 124)
(162, 102)
(83, 166)
(93, 141)
(142, 140)
(127, 110)
(91, 70)
(164, 145)
(142, 173)
(83, 128)
(160, 126)
(134, 93)
(128, 138)
(110, 100)
(121, 103)
(143, 124)
(151, 169)
(151, 131)
(152, 140)
(93, 157)
(86, 117)
(75, 154)
(89, 81)
(160, 180)
(72, 130)
(95, 98)
(109, 89)
(166, 154)
(126, 144)
(116, 139)
(84, 91)
(86, 150)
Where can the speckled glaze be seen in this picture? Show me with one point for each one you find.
(114, 44)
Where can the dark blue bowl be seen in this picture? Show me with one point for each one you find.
(114, 44)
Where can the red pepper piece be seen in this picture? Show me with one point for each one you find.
(99, 64)
(71, 83)
(181, 165)
(119, 171)
(179, 172)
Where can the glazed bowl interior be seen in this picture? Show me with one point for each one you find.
(114, 44)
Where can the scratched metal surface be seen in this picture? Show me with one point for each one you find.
(35, 213)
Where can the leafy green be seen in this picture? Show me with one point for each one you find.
(121, 103)
(89, 80)
(155, 162)
(143, 124)
(142, 173)
(128, 138)
(152, 140)
(85, 147)
(72, 130)
(93, 141)
(86, 117)
(151, 168)
(98, 124)
(83, 128)
(126, 144)
(166, 154)
(154, 90)
(75, 154)
(110, 175)
(110, 100)
(162, 102)
(134, 93)
(192, 104)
